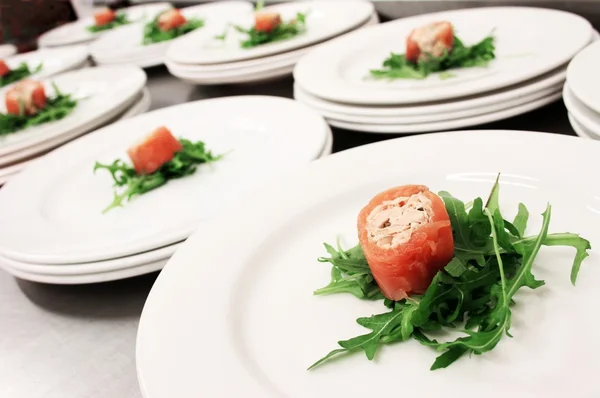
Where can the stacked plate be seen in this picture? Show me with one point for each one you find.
(51, 61)
(77, 32)
(582, 92)
(53, 226)
(104, 94)
(124, 45)
(201, 58)
(6, 50)
(533, 47)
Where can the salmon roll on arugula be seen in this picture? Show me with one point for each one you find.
(171, 19)
(266, 21)
(153, 151)
(104, 17)
(406, 236)
(434, 39)
(27, 97)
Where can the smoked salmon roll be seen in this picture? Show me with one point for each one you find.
(105, 16)
(4, 69)
(406, 236)
(171, 19)
(433, 39)
(153, 151)
(26, 97)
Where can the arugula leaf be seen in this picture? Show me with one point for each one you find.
(56, 108)
(153, 34)
(396, 66)
(120, 20)
(183, 164)
(20, 72)
(283, 31)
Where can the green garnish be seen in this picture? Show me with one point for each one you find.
(56, 108)
(473, 294)
(283, 31)
(128, 183)
(461, 56)
(153, 34)
(120, 20)
(20, 72)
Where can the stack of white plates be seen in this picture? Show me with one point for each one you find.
(6, 50)
(582, 92)
(76, 32)
(124, 46)
(200, 58)
(54, 231)
(533, 47)
(52, 60)
(104, 94)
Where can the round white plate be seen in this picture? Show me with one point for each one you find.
(17, 161)
(145, 62)
(249, 314)
(125, 44)
(292, 56)
(262, 137)
(584, 115)
(439, 117)
(116, 264)
(554, 78)
(7, 50)
(53, 60)
(529, 42)
(86, 278)
(104, 90)
(325, 19)
(76, 32)
(447, 124)
(580, 130)
(582, 75)
(237, 79)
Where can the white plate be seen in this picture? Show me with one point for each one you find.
(263, 137)
(86, 278)
(580, 130)
(7, 50)
(529, 42)
(439, 117)
(125, 44)
(76, 32)
(550, 79)
(584, 115)
(163, 253)
(447, 124)
(54, 61)
(145, 62)
(249, 314)
(258, 65)
(238, 79)
(106, 90)
(325, 19)
(13, 163)
(582, 75)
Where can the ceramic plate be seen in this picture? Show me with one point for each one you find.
(53, 61)
(554, 78)
(447, 124)
(529, 42)
(242, 78)
(584, 115)
(101, 91)
(76, 32)
(262, 137)
(125, 44)
(7, 50)
(582, 75)
(324, 20)
(580, 130)
(246, 311)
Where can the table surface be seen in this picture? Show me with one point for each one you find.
(79, 341)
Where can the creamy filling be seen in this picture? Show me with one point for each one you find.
(392, 223)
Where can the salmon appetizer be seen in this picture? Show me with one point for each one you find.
(153, 151)
(406, 236)
(27, 97)
(171, 19)
(104, 17)
(433, 39)
(266, 21)
(4, 69)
